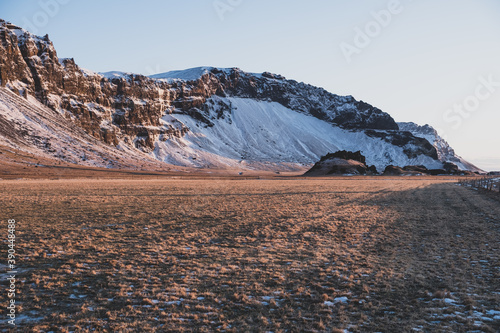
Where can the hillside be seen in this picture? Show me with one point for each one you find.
(202, 117)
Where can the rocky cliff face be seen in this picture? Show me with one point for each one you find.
(445, 153)
(133, 110)
(110, 110)
(127, 106)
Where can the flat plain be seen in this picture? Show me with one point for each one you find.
(257, 255)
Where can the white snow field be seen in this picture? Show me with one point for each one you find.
(259, 132)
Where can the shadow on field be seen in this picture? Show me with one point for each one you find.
(443, 250)
(253, 256)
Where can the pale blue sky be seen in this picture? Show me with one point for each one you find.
(419, 60)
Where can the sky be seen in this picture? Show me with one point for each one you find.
(426, 61)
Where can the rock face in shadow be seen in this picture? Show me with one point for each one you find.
(448, 169)
(341, 163)
(445, 152)
(393, 170)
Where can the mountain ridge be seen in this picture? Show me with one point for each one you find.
(444, 150)
(162, 116)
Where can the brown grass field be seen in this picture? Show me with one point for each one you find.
(270, 255)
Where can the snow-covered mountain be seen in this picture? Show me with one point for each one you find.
(29, 126)
(202, 117)
(444, 150)
(245, 130)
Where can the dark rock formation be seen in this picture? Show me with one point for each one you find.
(437, 172)
(416, 168)
(341, 162)
(448, 169)
(345, 155)
(409, 170)
(451, 168)
(412, 145)
(392, 170)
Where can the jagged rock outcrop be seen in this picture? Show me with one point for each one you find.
(341, 163)
(445, 152)
(412, 146)
(345, 155)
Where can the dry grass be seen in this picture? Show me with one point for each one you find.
(17, 164)
(312, 255)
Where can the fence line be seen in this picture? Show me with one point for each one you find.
(491, 183)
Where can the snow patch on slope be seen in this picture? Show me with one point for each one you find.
(259, 131)
(186, 74)
(444, 150)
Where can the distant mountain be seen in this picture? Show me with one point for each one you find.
(203, 117)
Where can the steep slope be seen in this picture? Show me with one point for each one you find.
(250, 130)
(444, 151)
(29, 126)
(202, 117)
